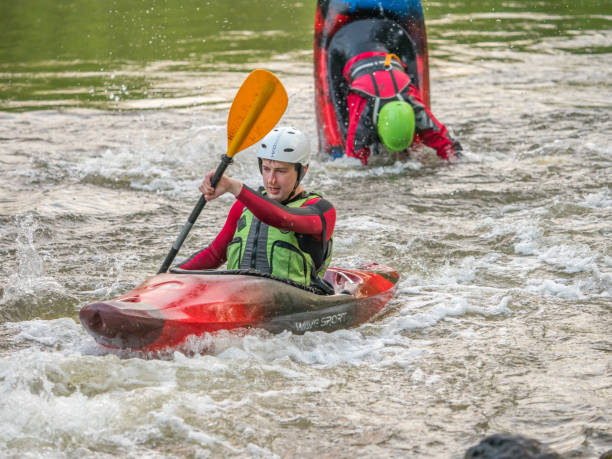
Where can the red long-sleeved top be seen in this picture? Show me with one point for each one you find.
(304, 220)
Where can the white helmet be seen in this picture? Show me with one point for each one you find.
(285, 144)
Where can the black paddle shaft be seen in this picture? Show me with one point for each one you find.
(225, 161)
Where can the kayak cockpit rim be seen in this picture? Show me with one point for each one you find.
(324, 289)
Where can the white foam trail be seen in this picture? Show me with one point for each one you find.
(528, 235)
(343, 168)
(601, 200)
(443, 308)
(57, 334)
(569, 259)
(535, 250)
(549, 287)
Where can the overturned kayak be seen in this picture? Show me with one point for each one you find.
(167, 308)
(346, 28)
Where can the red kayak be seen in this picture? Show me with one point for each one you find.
(167, 308)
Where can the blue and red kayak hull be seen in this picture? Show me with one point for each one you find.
(402, 31)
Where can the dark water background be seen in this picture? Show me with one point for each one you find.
(112, 111)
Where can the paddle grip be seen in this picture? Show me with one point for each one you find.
(225, 161)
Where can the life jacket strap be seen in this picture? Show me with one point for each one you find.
(398, 93)
(376, 101)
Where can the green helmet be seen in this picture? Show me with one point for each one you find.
(396, 125)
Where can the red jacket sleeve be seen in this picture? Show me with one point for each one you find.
(356, 105)
(308, 219)
(433, 133)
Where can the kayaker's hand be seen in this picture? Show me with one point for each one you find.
(448, 153)
(225, 185)
(458, 150)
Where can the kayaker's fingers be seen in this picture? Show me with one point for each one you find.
(206, 182)
(206, 187)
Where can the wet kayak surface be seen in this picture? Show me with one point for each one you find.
(171, 309)
(501, 319)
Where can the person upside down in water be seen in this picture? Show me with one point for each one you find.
(386, 107)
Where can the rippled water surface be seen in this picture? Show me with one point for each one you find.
(502, 319)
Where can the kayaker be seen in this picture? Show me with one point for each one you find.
(384, 106)
(280, 229)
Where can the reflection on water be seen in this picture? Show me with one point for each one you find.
(141, 54)
(76, 53)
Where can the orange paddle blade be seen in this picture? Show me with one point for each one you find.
(258, 106)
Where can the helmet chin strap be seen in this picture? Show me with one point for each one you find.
(300, 174)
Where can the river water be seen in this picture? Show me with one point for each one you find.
(502, 318)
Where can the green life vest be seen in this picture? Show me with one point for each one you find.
(267, 249)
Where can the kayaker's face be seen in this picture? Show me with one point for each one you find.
(279, 178)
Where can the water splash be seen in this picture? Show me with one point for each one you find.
(29, 279)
